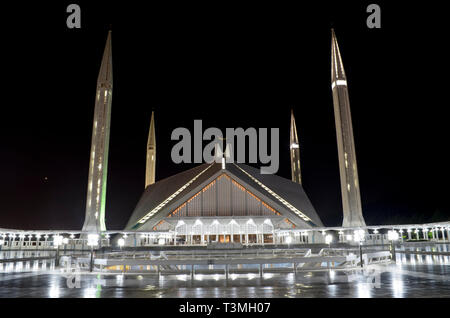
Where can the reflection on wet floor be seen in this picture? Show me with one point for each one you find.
(411, 276)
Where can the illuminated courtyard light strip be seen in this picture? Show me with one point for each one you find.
(287, 204)
(338, 83)
(164, 203)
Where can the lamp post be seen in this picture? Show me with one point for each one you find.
(38, 236)
(341, 236)
(92, 241)
(392, 237)
(107, 236)
(57, 241)
(65, 241)
(358, 236)
(288, 240)
(22, 236)
(121, 242)
(72, 237)
(328, 240)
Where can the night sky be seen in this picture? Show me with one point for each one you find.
(230, 66)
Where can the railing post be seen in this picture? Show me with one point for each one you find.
(394, 256)
(360, 254)
(91, 263)
(57, 257)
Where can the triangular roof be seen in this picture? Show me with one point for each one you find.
(164, 196)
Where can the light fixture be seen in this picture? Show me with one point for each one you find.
(328, 239)
(57, 240)
(393, 236)
(358, 235)
(92, 240)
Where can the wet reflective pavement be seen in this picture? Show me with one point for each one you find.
(411, 276)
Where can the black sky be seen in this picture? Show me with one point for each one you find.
(231, 66)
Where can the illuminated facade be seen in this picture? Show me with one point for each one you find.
(228, 203)
(351, 199)
(98, 166)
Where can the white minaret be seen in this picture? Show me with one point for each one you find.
(151, 154)
(351, 200)
(98, 167)
(295, 152)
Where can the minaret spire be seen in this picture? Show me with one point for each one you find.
(295, 152)
(151, 154)
(98, 166)
(351, 200)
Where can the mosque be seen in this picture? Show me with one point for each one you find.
(223, 202)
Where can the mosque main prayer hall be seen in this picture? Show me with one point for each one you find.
(222, 202)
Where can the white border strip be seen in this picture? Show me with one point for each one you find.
(161, 205)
